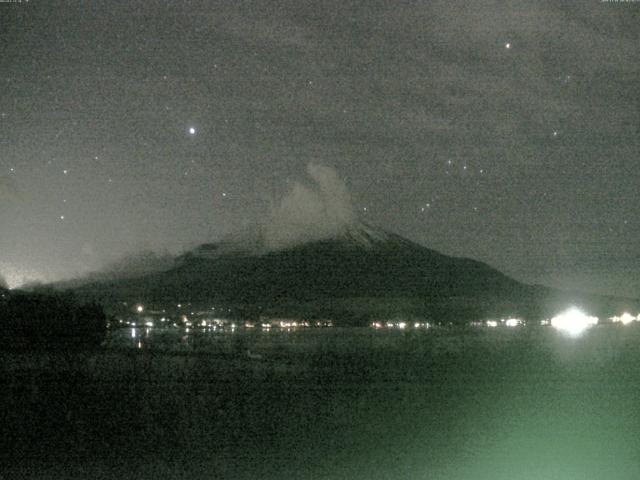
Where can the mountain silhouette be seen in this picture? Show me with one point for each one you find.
(361, 273)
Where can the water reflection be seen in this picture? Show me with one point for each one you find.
(163, 333)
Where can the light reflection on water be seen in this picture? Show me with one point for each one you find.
(576, 418)
(234, 337)
(525, 403)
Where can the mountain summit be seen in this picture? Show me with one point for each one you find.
(361, 272)
(313, 257)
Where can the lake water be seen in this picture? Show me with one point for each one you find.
(525, 403)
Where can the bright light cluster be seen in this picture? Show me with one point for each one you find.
(293, 324)
(573, 322)
(400, 325)
(507, 322)
(626, 318)
(513, 322)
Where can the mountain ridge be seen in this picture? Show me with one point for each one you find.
(361, 272)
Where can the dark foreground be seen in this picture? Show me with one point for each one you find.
(353, 404)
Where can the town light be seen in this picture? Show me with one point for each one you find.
(573, 321)
(625, 318)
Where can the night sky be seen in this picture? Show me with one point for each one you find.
(503, 131)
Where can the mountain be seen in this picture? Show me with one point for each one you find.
(361, 273)
(129, 266)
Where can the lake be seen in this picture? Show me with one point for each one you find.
(439, 403)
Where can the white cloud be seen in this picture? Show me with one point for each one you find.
(320, 211)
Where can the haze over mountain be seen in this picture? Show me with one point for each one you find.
(361, 273)
(313, 256)
(130, 266)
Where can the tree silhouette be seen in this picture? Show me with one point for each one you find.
(49, 321)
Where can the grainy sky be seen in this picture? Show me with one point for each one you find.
(503, 131)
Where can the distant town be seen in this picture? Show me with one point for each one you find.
(185, 315)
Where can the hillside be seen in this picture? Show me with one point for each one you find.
(364, 272)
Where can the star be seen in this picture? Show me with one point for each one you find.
(507, 45)
(192, 131)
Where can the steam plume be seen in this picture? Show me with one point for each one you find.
(320, 211)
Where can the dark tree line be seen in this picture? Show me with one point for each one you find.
(49, 321)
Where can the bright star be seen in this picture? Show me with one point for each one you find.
(192, 131)
(507, 46)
